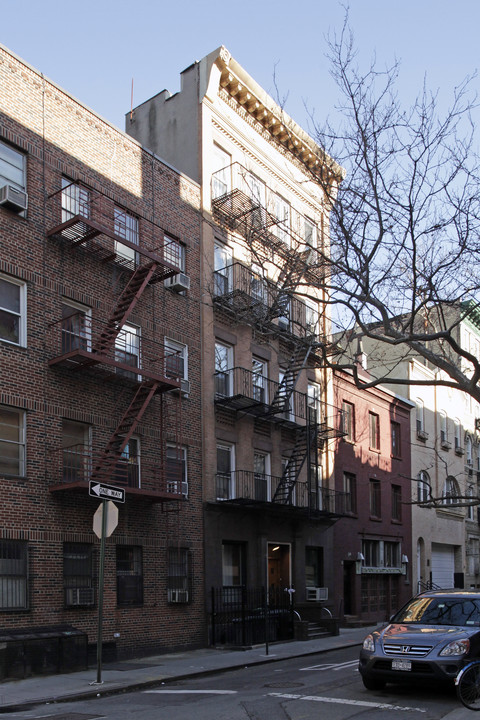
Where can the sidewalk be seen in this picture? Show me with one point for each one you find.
(148, 672)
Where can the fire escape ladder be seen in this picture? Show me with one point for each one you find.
(124, 307)
(298, 361)
(304, 443)
(124, 431)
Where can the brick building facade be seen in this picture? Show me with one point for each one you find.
(100, 374)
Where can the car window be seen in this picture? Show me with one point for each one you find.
(441, 611)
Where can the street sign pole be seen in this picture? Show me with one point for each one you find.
(100, 590)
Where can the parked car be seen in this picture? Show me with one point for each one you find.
(430, 639)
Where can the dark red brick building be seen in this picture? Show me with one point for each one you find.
(100, 375)
(372, 543)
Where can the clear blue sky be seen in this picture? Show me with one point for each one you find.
(94, 48)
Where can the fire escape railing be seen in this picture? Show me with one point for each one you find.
(87, 218)
(74, 465)
(75, 342)
(247, 486)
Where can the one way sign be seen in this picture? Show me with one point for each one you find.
(99, 490)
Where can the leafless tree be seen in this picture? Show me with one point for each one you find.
(403, 266)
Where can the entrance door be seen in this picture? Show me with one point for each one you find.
(278, 566)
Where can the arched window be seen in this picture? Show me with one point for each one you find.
(451, 491)
(424, 491)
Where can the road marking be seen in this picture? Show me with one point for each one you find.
(333, 666)
(193, 692)
(341, 701)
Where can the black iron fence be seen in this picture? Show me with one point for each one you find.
(249, 616)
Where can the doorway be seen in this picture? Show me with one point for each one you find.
(279, 577)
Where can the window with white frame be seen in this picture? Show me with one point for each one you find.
(314, 402)
(174, 253)
(13, 166)
(179, 575)
(309, 234)
(443, 429)
(374, 430)
(371, 553)
(127, 350)
(281, 210)
(311, 317)
(12, 441)
(176, 469)
(76, 327)
(222, 172)
(424, 489)
(223, 269)
(75, 200)
(13, 311)
(420, 416)
(458, 436)
(348, 420)
(225, 471)
(126, 226)
(469, 451)
(223, 369)
(256, 191)
(176, 359)
(13, 575)
(261, 476)
(450, 491)
(259, 380)
(259, 286)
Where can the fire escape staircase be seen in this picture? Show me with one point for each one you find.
(281, 400)
(112, 452)
(124, 307)
(304, 443)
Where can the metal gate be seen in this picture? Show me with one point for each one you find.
(250, 616)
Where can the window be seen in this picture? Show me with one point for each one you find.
(12, 441)
(397, 503)
(179, 580)
(256, 191)
(127, 470)
(309, 234)
(78, 581)
(396, 439)
(176, 469)
(13, 165)
(129, 575)
(259, 287)
(469, 451)
(450, 491)
(223, 366)
(314, 402)
(288, 475)
(391, 554)
(284, 303)
(126, 226)
(76, 451)
(13, 575)
(221, 178)
(350, 489)
(176, 359)
(470, 508)
(281, 210)
(75, 200)
(375, 498)
(76, 327)
(311, 317)
(420, 417)
(317, 499)
(286, 381)
(13, 304)
(225, 468)
(127, 351)
(259, 380)
(371, 553)
(444, 430)
(174, 253)
(424, 490)
(223, 269)
(348, 421)
(313, 566)
(261, 476)
(233, 564)
(374, 431)
(458, 437)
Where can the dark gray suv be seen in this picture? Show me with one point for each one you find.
(430, 638)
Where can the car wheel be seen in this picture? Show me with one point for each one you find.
(372, 684)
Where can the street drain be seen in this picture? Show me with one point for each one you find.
(284, 685)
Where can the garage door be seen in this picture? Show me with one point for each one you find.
(443, 565)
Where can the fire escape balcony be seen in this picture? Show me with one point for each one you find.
(252, 489)
(77, 342)
(88, 219)
(247, 392)
(249, 298)
(72, 467)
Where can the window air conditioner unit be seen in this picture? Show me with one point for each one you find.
(178, 282)
(184, 387)
(13, 198)
(317, 594)
(79, 596)
(177, 596)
